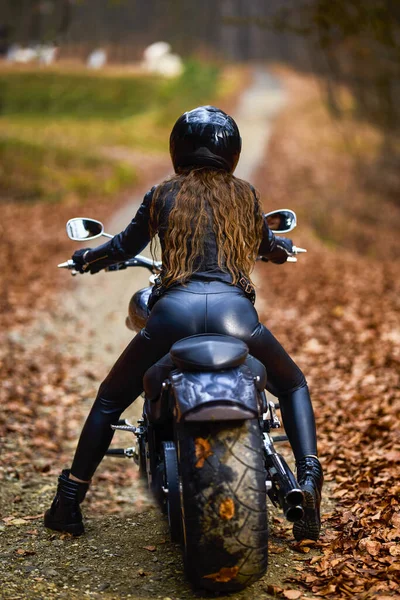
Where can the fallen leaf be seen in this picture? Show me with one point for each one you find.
(371, 546)
(150, 548)
(292, 594)
(394, 550)
(395, 520)
(272, 549)
(224, 575)
(25, 552)
(18, 522)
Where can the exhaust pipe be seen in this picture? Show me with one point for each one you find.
(294, 497)
(294, 513)
(285, 491)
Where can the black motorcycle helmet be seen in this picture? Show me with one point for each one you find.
(205, 137)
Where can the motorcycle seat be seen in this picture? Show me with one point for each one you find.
(159, 372)
(208, 352)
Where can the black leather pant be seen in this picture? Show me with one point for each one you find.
(198, 307)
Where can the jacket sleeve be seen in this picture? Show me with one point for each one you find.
(126, 244)
(274, 248)
(268, 242)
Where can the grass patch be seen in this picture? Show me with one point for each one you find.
(30, 171)
(55, 126)
(76, 95)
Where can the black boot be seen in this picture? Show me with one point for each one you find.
(64, 513)
(310, 478)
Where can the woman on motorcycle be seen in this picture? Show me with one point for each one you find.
(211, 230)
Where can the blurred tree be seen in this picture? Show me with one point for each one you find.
(355, 42)
(36, 21)
(360, 42)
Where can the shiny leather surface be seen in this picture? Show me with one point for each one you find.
(235, 386)
(136, 236)
(198, 307)
(208, 353)
(159, 372)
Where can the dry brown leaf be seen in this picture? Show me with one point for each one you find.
(17, 522)
(371, 546)
(395, 520)
(25, 552)
(292, 594)
(273, 549)
(394, 550)
(273, 590)
(224, 575)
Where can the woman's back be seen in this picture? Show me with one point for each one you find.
(209, 224)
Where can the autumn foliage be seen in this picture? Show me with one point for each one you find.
(337, 312)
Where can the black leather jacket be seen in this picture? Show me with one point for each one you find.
(136, 236)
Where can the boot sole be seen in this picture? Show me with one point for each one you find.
(309, 527)
(74, 529)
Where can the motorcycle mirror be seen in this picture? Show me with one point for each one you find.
(281, 221)
(82, 230)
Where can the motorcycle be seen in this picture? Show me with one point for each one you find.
(205, 443)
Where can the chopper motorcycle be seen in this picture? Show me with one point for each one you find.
(204, 442)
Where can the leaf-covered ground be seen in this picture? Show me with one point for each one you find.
(336, 311)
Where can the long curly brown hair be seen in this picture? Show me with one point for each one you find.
(234, 209)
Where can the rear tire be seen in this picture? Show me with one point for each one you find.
(224, 504)
(171, 482)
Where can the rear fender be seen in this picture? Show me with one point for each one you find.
(215, 396)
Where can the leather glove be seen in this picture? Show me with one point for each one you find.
(281, 252)
(81, 264)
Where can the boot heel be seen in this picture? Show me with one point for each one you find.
(310, 478)
(74, 529)
(310, 525)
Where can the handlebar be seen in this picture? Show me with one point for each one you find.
(140, 261)
(137, 261)
(295, 250)
(155, 266)
(291, 257)
(69, 264)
